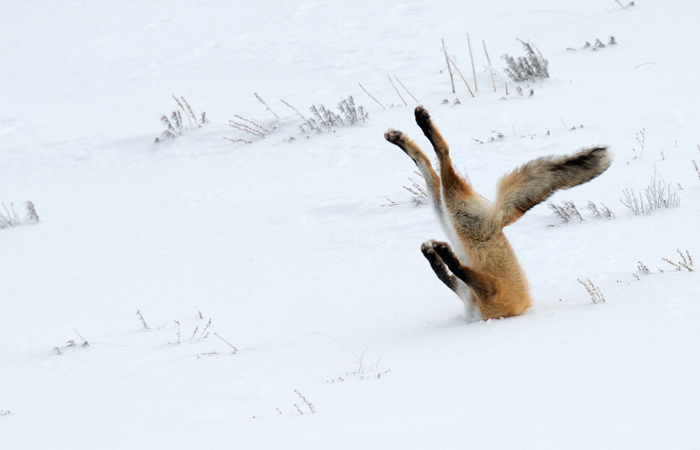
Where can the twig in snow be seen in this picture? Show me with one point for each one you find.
(85, 343)
(488, 60)
(409, 93)
(143, 321)
(235, 350)
(397, 91)
(593, 291)
(447, 60)
(471, 55)
(461, 76)
(372, 96)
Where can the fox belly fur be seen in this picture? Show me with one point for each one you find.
(481, 267)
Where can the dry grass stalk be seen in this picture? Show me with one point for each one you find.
(641, 139)
(10, 218)
(593, 290)
(624, 7)
(447, 60)
(696, 168)
(268, 108)
(687, 263)
(677, 266)
(245, 128)
(182, 107)
(178, 331)
(488, 60)
(573, 211)
(238, 140)
(175, 126)
(604, 211)
(189, 109)
(409, 92)
(312, 125)
(170, 131)
(295, 110)
(397, 91)
(503, 77)
(690, 258)
(642, 267)
(462, 76)
(592, 208)
(326, 117)
(143, 321)
(471, 56)
(85, 342)
(306, 402)
(235, 350)
(391, 203)
(194, 333)
(419, 196)
(530, 67)
(255, 123)
(657, 196)
(204, 333)
(371, 96)
(559, 212)
(566, 212)
(177, 120)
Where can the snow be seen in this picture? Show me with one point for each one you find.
(283, 243)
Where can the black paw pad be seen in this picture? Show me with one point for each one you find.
(442, 248)
(422, 116)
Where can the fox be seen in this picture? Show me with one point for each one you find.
(480, 265)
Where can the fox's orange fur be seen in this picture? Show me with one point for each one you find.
(484, 270)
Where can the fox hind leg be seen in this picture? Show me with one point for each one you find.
(457, 285)
(438, 266)
(482, 284)
(468, 210)
(450, 180)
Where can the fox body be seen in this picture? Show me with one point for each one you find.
(481, 267)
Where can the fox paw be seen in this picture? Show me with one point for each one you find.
(393, 136)
(429, 252)
(432, 244)
(441, 246)
(422, 117)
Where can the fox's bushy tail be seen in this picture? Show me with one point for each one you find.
(535, 181)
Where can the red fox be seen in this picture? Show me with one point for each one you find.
(485, 273)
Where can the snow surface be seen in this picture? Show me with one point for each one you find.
(283, 243)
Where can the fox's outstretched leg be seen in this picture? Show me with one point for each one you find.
(467, 209)
(432, 181)
(457, 285)
(448, 176)
(482, 284)
(438, 266)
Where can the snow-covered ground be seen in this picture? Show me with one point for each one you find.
(281, 248)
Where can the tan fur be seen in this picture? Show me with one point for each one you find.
(484, 259)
